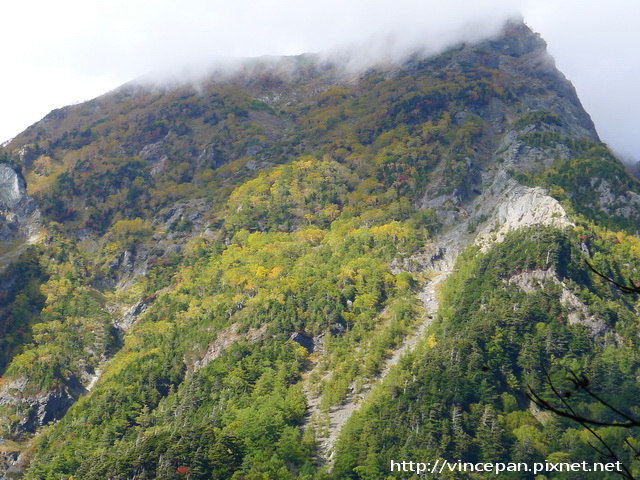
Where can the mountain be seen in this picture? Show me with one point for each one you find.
(291, 269)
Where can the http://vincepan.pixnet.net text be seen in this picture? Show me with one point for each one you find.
(440, 466)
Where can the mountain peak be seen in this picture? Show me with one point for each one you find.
(517, 39)
(230, 262)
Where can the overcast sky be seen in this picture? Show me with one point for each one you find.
(57, 53)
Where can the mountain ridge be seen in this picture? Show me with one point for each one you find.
(195, 238)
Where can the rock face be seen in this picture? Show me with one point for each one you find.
(12, 463)
(38, 408)
(517, 206)
(11, 190)
(130, 316)
(19, 214)
(303, 340)
(524, 53)
(577, 311)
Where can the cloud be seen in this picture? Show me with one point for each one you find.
(133, 37)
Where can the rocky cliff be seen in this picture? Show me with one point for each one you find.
(19, 216)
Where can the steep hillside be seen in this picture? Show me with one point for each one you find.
(292, 270)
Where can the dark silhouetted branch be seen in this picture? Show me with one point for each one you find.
(634, 288)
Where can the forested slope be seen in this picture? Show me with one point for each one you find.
(224, 264)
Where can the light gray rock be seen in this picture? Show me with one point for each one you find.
(130, 316)
(36, 409)
(19, 216)
(12, 190)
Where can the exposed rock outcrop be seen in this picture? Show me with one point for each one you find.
(19, 216)
(224, 340)
(124, 323)
(36, 408)
(578, 312)
(18, 212)
(508, 206)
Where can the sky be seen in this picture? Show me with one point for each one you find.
(58, 53)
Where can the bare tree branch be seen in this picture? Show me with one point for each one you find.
(634, 288)
(567, 411)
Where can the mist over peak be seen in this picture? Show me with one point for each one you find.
(85, 50)
(383, 49)
(398, 46)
